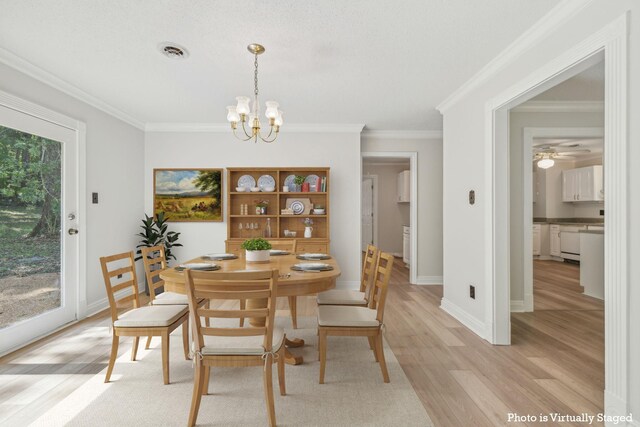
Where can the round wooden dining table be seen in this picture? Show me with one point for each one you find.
(290, 283)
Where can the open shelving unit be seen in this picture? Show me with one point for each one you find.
(237, 230)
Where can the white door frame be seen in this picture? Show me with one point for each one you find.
(612, 43)
(413, 208)
(18, 104)
(374, 179)
(529, 133)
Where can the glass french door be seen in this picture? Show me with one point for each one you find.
(38, 242)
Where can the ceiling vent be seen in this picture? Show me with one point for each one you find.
(173, 50)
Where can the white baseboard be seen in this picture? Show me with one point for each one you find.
(517, 306)
(429, 280)
(614, 406)
(475, 325)
(103, 303)
(544, 257)
(348, 284)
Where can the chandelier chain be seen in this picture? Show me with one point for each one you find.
(255, 76)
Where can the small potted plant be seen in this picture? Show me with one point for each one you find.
(318, 209)
(261, 207)
(298, 181)
(256, 250)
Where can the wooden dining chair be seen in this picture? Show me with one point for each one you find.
(289, 245)
(343, 320)
(231, 346)
(349, 297)
(157, 320)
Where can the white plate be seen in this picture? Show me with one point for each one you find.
(278, 252)
(289, 181)
(311, 265)
(221, 256)
(314, 255)
(312, 179)
(266, 181)
(247, 181)
(297, 206)
(198, 265)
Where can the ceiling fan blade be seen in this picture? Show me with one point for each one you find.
(571, 152)
(563, 157)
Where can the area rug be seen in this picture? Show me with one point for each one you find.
(353, 394)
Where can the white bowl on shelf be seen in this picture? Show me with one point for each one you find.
(319, 211)
(240, 189)
(255, 189)
(268, 189)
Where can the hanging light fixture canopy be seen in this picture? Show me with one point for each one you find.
(546, 163)
(243, 112)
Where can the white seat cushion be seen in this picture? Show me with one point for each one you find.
(171, 298)
(150, 317)
(341, 297)
(240, 345)
(342, 315)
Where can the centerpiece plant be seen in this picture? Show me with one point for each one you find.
(256, 250)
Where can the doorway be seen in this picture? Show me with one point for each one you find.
(390, 220)
(39, 200)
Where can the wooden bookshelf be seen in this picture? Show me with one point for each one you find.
(277, 201)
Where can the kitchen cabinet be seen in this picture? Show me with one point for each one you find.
(403, 187)
(554, 240)
(536, 239)
(583, 184)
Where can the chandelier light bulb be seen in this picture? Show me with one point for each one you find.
(232, 115)
(545, 163)
(272, 109)
(243, 105)
(278, 119)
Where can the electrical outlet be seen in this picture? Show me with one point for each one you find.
(94, 198)
(472, 292)
(472, 197)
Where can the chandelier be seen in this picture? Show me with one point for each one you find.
(242, 113)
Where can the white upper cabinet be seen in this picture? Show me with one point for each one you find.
(583, 184)
(404, 189)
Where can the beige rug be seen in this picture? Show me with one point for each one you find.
(354, 393)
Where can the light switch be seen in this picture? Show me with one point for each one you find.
(472, 197)
(94, 198)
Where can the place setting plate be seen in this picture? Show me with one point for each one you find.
(200, 266)
(311, 267)
(278, 252)
(219, 257)
(313, 257)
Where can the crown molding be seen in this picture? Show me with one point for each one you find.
(402, 134)
(226, 128)
(553, 20)
(14, 61)
(560, 107)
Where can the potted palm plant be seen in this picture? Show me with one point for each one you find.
(256, 250)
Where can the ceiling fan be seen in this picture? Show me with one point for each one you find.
(546, 154)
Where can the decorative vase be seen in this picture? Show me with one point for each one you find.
(257, 256)
(261, 210)
(307, 232)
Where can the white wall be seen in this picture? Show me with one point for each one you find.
(429, 199)
(339, 151)
(114, 152)
(391, 214)
(464, 128)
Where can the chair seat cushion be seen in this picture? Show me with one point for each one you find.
(347, 316)
(341, 297)
(171, 298)
(244, 346)
(150, 317)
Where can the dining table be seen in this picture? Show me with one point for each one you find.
(290, 283)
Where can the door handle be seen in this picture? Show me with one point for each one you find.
(72, 231)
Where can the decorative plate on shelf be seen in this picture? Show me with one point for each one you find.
(289, 181)
(247, 181)
(297, 206)
(312, 179)
(266, 181)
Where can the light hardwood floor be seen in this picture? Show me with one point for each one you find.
(554, 365)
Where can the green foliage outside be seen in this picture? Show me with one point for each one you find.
(258, 244)
(29, 204)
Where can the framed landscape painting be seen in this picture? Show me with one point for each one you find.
(188, 195)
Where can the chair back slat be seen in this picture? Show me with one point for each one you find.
(119, 277)
(290, 245)
(155, 262)
(232, 285)
(229, 291)
(234, 332)
(368, 269)
(233, 314)
(384, 267)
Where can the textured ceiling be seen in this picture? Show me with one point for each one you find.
(385, 64)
